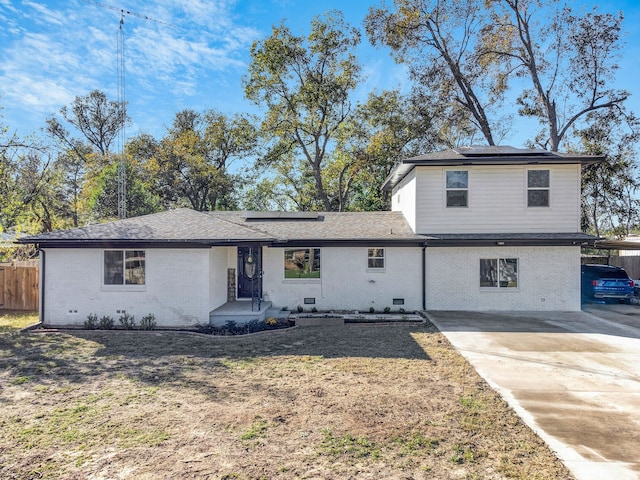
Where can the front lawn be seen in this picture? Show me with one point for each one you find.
(359, 401)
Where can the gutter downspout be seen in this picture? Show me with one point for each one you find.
(424, 276)
(42, 282)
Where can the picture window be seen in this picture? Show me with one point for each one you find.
(499, 273)
(301, 263)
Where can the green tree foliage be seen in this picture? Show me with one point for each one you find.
(82, 159)
(568, 59)
(305, 85)
(384, 129)
(26, 184)
(464, 54)
(436, 40)
(610, 204)
(190, 165)
(98, 119)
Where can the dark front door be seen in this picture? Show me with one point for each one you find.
(249, 272)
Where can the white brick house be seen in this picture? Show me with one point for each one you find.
(483, 228)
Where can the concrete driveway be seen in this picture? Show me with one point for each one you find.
(574, 378)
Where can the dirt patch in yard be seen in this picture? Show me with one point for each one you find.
(353, 401)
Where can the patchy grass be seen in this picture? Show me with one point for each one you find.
(359, 401)
(11, 320)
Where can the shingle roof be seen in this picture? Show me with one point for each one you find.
(179, 225)
(329, 226)
(485, 155)
(217, 228)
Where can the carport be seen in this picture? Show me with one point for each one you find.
(631, 263)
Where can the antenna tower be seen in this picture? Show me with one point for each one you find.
(122, 136)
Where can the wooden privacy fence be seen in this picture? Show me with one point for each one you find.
(19, 285)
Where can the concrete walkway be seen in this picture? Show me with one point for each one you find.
(574, 378)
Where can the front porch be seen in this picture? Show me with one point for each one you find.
(241, 311)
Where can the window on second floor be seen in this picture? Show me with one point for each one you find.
(537, 188)
(457, 186)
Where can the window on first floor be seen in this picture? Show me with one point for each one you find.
(375, 258)
(499, 272)
(124, 267)
(301, 263)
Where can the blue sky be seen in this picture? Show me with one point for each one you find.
(192, 56)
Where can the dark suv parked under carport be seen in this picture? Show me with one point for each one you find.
(606, 282)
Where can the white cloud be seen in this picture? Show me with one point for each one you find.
(45, 15)
(35, 92)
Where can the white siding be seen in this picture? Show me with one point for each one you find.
(403, 198)
(548, 279)
(176, 290)
(498, 201)
(345, 281)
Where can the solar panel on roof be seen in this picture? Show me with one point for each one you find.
(280, 215)
(497, 150)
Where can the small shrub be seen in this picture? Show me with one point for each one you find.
(205, 328)
(127, 321)
(387, 309)
(314, 310)
(232, 328)
(402, 310)
(148, 322)
(300, 309)
(106, 323)
(91, 323)
(371, 309)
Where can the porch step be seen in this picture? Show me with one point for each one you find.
(239, 312)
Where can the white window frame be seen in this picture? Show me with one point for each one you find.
(538, 188)
(448, 189)
(501, 274)
(371, 256)
(124, 285)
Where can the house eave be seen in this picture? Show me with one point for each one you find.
(511, 240)
(141, 243)
(352, 242)
(208, 243)
(404, 167)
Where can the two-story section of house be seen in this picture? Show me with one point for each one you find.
(502, 226)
